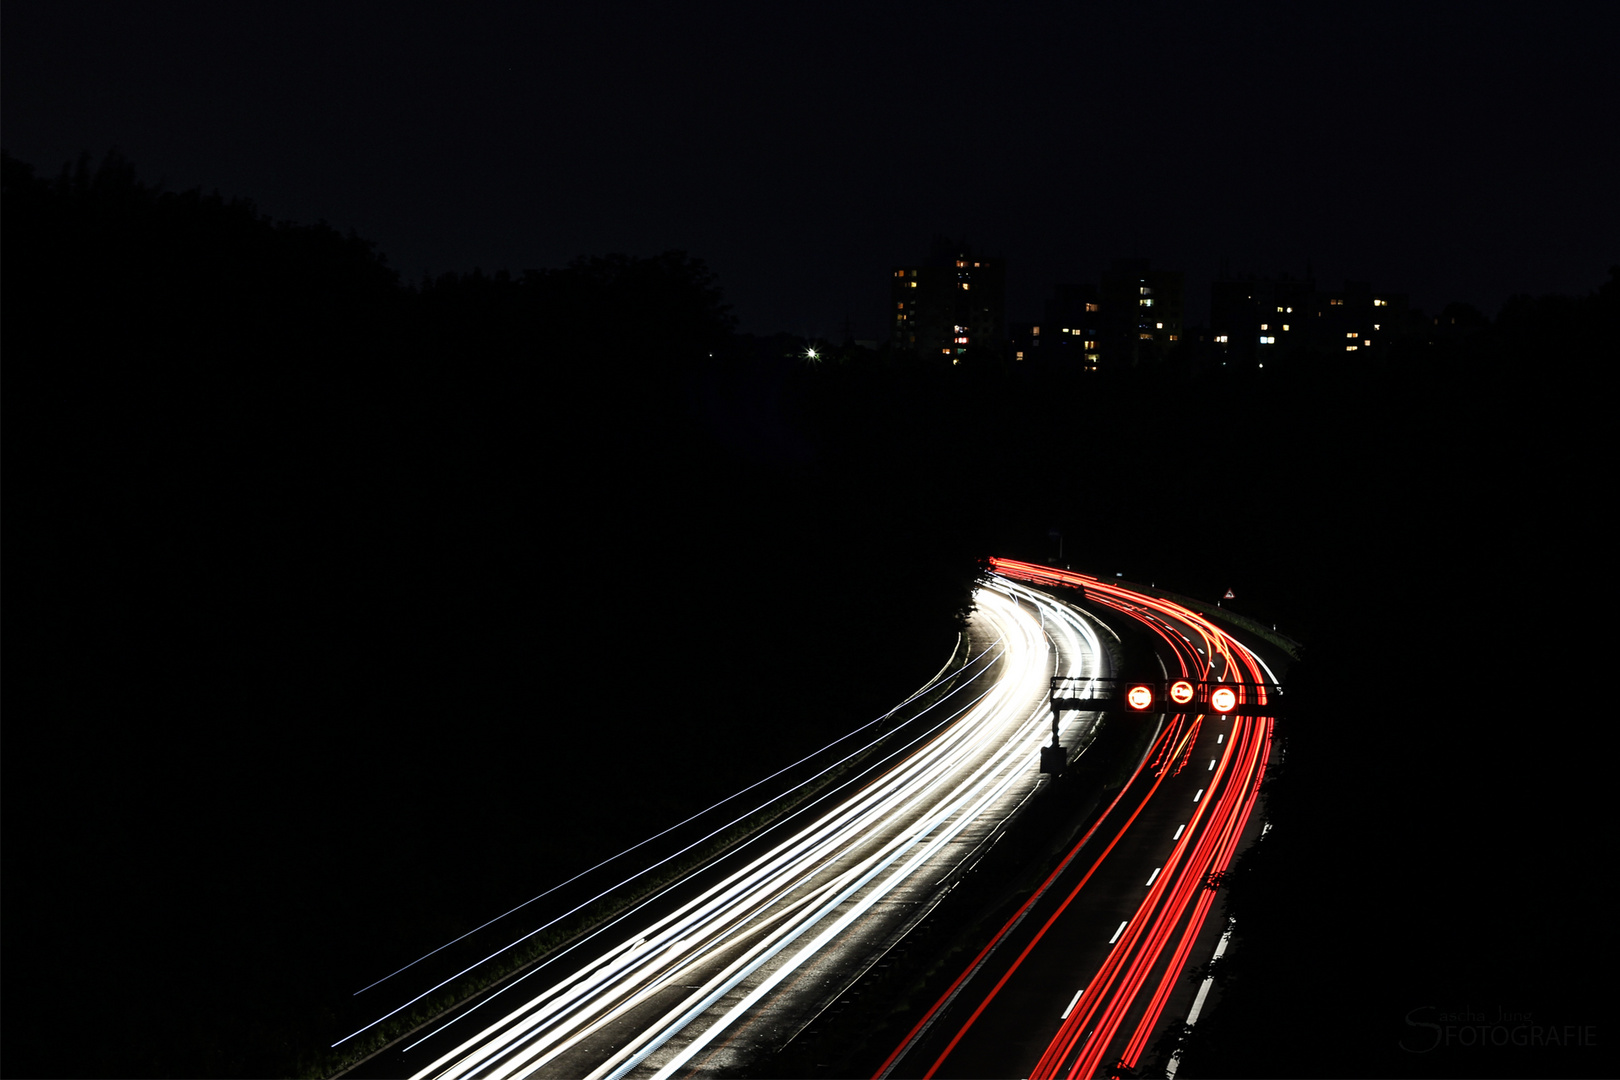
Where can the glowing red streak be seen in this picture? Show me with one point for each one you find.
(1208, 844)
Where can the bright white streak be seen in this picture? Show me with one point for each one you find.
(982, 723)
(741, 817)
(734, 795)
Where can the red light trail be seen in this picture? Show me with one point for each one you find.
(1112, 1019)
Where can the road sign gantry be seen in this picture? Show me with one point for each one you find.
(1142, 696)
(1179, 695)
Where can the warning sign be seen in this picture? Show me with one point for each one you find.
(1230, 595)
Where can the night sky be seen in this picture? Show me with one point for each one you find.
(1455, 151)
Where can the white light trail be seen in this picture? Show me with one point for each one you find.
(751, 931)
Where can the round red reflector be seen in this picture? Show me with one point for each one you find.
(1139, 697)
(1181, 691)
(1223, 700)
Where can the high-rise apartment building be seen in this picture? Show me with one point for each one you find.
(1141, 313)
(953, 303)
(1256, 319)
(1253, 318)
(1072, 330)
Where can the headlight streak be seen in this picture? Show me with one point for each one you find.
(700, 840)
(920, 804)
(901, 780)
(643, 843)
(797, 813)
(896, 847)
(962, 822)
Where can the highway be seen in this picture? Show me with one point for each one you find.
(1083, 978)
(727, 965)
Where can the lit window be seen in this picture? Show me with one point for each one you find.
(1147, 337)
(1221, 338)
(1146, 291)
(1173, 337)
(1350, 348)
(1375, 326)
(1285, 328)
(964, 284)
(1020, 355)
(975, 264)
(947, 352)
(1264, 326)
(913, 284)
(1037, 331)
(961, 341)
(1159, 326)
(1335, 303)
(901, 304)
(1147, 303)
(1380, 303)
(1353, 333)
(1091, 345)
(1279, 311)
(959, 262)
(1091, 307)
(1264, 340)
